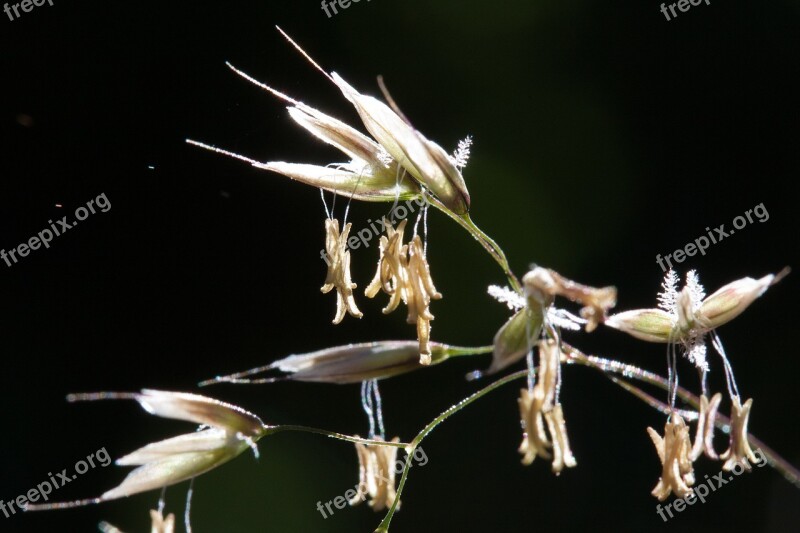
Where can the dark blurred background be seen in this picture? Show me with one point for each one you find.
(604, 135)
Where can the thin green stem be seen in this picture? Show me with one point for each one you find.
(487, 242)
(460, 351)
(411, 448)
(465, 402)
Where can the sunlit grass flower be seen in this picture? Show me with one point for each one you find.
(391, 274)
(403, 273)
(425, 160)
(739, 450)
(686, 317)
(400, 163)
(515, 338)
(542, 285)
(338, 275)
(351, 363)
(540, 405)
(370, 175)
(562, 453)
(377, 171)
(420, 291)
(229, 430)
(704, 438)
(161, 524)
(534, 439)
(535, 312)
(677, 473)
(376, 474)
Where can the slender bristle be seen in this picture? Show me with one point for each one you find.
(61, 505)
(224, 152)
(94, 396)
(308, 57)
(237, 377)
(242, 381)
(387, 95)
(262, 85)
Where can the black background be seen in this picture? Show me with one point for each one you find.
(604, 135)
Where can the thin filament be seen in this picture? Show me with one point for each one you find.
(350, 200)
(303, 52)
(416, 224)
(366, 403)
(162, 500)
(557, 395)
(674, 370)
(391, 102)
(378, 408)
(325, 204)
(264, 86)
(188, 511)
(425, 225)
(529, 357)
(704, 381)
(733, 390)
